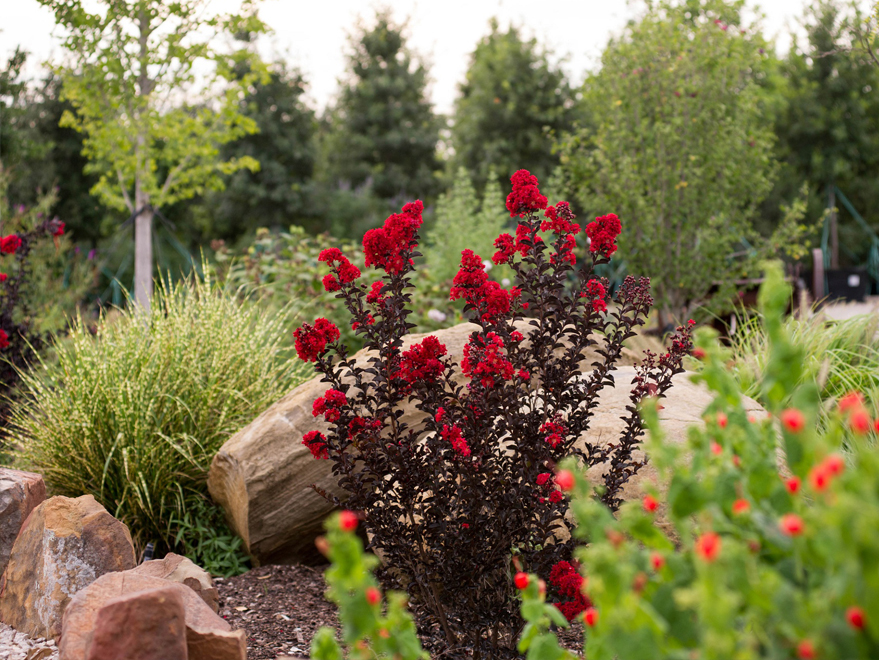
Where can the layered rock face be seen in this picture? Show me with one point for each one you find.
(64, 545)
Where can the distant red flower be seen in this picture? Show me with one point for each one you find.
(722, 420)
(793, 485)
(569, 585)
(331, 283)
(555, 432)
(850, 401)
(590, 617)
(10, 244)
(740, 506)
(556, 496)
(3, 277)
(708, 546)
(4, 339)
(806, 650)
(56, 227)
(543, 478)
(699, 353)
(791, 524)
(657, 561)
(859, 421)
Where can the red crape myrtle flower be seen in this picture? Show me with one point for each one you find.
(555, 432)
(384, 247)
(4, 339)
(452, 434)
(317, 444)
(10, 244)
(569, 585)
(603, 234)
(329, 404)
(486, 296)
(708, 546)
(421, 363)
(344, 269)
(596, 292)
(525, 198)
(484, 360)
(560, 217)
(311, 341)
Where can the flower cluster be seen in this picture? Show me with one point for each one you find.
(548, 484)
(561, 219)
(596, 294)
(329, 405)
(10, 244)
(386, 247)
(342, 268)
(311, 341)
(554, 432)
(486, 296)
(452, 434)
(569, 584)
(603, 234)
(421, 363)
(525, 197)
(317, 444)
(484, 360)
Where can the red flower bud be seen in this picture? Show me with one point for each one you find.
(564, 479)
(373, 596)
(722, 420)
(793, 420)
(859, 422)
(657, 561)
(699, 353)
(348, 521)
(649, 503)
(521, 580)
(851, 401)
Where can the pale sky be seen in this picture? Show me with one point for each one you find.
(312, 34)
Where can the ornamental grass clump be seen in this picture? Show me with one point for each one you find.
(449, 502)
(133, 410)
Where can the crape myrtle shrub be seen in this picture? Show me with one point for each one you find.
(18, 338)
(449, 501)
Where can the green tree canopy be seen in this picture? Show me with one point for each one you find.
(512, 106)
(829, 130)
(383, 131)
(679, 150)
(152, 127)
(278, 193)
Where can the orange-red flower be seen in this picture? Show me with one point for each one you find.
(590, 617)
(521, 580)
(348, 521)
(708, 546)
(649, 503)
(741, 506)
(657, 561)
(855, 617)
(791, 524)
(793, 420)
(793, 485)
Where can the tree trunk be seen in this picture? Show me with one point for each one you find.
(143, 252)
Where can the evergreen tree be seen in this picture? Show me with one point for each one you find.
(829, 131)
(511, 105)
(383, 133)
(277, 194)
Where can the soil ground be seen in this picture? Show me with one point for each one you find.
(282, 607)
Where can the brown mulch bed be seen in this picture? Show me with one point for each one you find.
(281, 608)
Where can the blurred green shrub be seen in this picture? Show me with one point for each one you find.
(134, 409)
(840, 356)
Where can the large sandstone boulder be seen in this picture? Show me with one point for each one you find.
(177, 568)
(20, 493)
(145, 625)
(208, 636)
(262, 475)
(64, 545)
